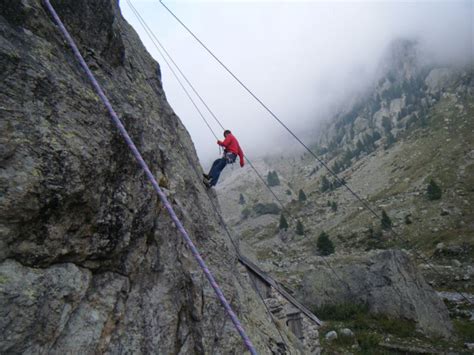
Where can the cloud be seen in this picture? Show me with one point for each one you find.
(300, 57)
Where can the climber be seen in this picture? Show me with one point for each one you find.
(231, 150)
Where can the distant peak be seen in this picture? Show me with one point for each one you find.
(401, 60)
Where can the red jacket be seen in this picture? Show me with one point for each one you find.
(231, 145)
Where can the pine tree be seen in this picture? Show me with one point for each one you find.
(301, 196)
(386, 124)
(374, 240)
(299, 228)
(241, 199)
(272, 178)
(376, 136)
(386, 222)
(276, 178)
(325, 184)
(359, 148)
(269, 178)
(371, 232)
(433, 190)
(246, 212)
(390, 140)
(324, 244)
(283, 223)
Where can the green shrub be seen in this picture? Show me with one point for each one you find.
(375, 137)
(241, 199)
(283, 223)
(433, 190)
(408, 219)
(402, 328)
(324, 244)
(464, 328)
(341, 311)
(266, 208)
(337, 183)
(301, 196)
(374, 240)
(245, 213)
(382, 323)
(386, 222)
(334, 206)
(325, 184)
(342, 340)
(299, 228)
(390, 140)
(368, 342)
(272, 179)
(386, 124)
(337, 167)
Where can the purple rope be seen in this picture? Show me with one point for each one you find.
(152, 179)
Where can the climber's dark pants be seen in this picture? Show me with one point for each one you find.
(216, 170)
(219, 165)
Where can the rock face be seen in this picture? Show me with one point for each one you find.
(439, 78)
(89, 260)
(387, 281)
(407, 88)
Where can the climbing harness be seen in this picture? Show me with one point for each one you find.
(230, 157)
(151, 178)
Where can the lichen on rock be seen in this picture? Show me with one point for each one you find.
(89, 260)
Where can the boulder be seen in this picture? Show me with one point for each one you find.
(36, 304)
(444, 212)
(346, 332)
(439, 79)
(456, 263)
(330, 336)
(386, 281)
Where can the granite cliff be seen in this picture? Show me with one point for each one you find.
(90, 262)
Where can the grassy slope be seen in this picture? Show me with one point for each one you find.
(394, 179)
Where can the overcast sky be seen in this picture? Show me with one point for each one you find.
(299, 57)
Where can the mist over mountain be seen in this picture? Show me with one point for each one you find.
(305, 60)
(401, 161)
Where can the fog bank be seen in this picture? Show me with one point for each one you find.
(302, 59)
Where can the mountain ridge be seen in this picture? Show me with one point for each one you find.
(412, 128)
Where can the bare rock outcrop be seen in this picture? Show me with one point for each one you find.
(89, 260)
(386, 281)
(440, 78)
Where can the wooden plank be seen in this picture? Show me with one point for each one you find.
(267, 278)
